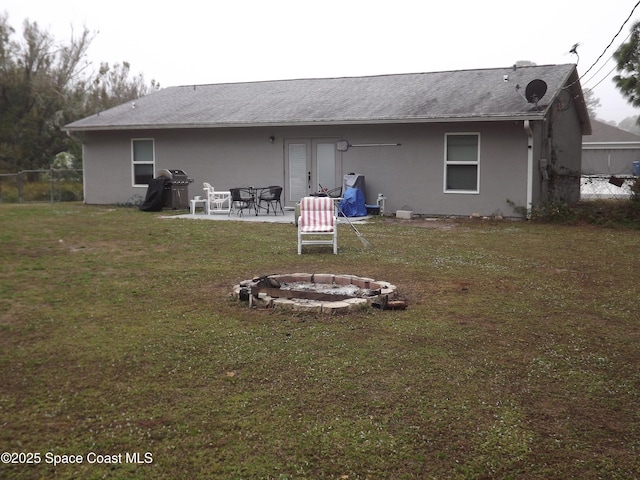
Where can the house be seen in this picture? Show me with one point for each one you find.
(443, 143)
(609, 150)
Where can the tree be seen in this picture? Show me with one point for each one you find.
(112, 87)
(627, 58)
(45, 85)
(630, 124)
(592, 103)
(35, 77)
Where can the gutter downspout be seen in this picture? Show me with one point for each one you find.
(529, 131)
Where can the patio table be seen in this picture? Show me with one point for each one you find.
(246, 196)
(198, 201)
(252, 196)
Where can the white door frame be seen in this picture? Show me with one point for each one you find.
(304, 169)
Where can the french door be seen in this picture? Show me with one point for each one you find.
(310, 164)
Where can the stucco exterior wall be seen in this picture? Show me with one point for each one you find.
(410, 175)
(565, 156)
(224, 158)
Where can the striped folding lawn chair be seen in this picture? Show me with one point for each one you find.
(317, 221)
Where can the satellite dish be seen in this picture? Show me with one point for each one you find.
(535, 90)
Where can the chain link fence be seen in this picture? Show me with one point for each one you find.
(600, 187)
(30, 186)
(65, 185)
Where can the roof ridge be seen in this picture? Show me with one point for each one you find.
(379, 75)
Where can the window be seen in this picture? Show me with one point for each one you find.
(142, 152)
(462, 163)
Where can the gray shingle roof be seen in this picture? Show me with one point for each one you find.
(420, 97)
(604, 133)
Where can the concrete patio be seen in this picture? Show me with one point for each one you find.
(288, 217)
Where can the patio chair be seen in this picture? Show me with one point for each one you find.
(241, 199)
(216, 199)
(271, 196)
(317, 219)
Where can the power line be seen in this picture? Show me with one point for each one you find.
(612, 40)
(602, 79)
(601, 67)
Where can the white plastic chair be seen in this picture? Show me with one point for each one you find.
(216, 199)
(317, 219)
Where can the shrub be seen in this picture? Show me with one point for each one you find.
(611, 213)
(552, 211)
(635, 190)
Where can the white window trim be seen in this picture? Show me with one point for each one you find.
(134, 163)
(446, 164)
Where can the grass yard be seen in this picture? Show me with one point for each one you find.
(121, 350)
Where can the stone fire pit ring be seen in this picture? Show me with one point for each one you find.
(318, 292)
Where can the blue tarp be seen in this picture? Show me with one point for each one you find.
(352, 203)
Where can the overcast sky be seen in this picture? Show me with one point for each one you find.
(197, 42)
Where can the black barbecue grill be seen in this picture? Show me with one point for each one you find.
(176, 188)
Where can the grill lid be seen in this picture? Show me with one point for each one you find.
(174, 175)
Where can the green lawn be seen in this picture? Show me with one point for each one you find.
(516, 359)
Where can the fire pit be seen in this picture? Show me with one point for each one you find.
(326, 293)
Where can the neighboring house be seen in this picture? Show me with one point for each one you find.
(609, 150)
(443, 143)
